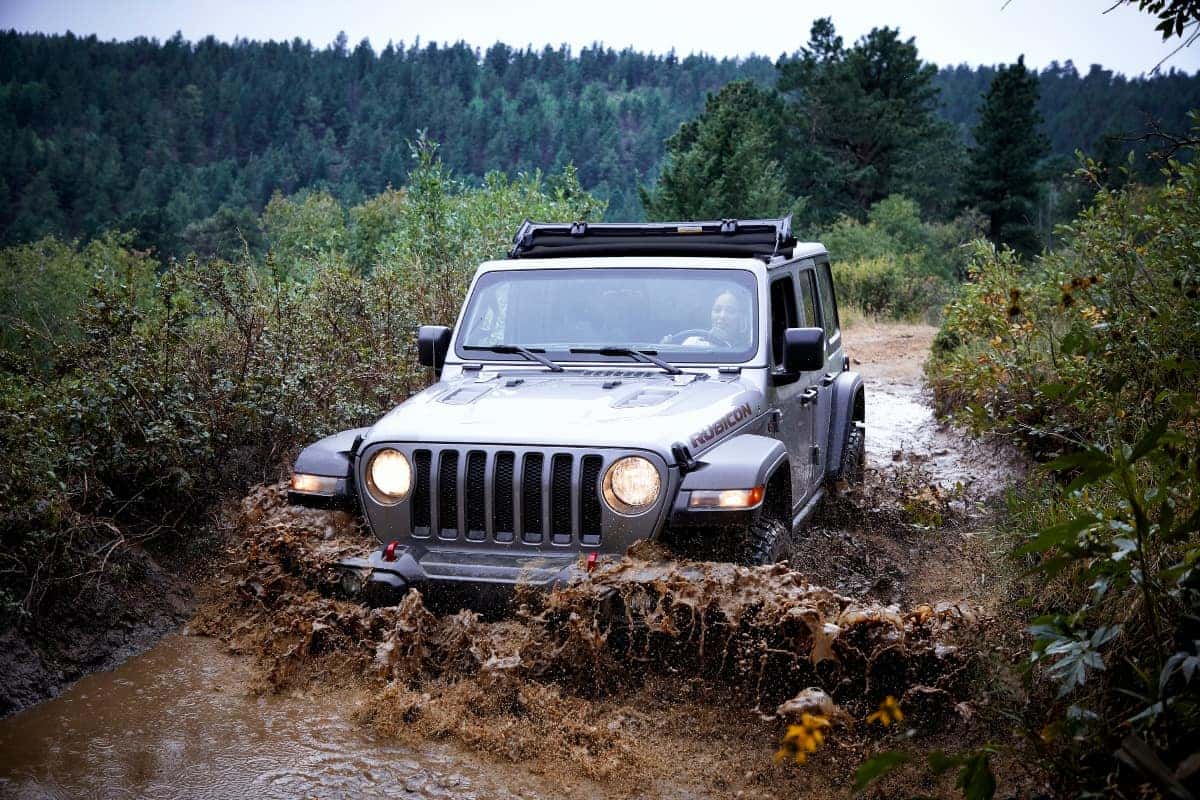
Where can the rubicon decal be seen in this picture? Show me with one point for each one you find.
(720, 426)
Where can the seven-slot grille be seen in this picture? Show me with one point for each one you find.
(530, 497)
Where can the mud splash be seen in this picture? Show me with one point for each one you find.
(544, 681)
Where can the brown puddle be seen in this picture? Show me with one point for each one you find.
(178, 722)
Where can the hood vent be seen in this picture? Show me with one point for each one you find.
(465, 395)
(646, 397)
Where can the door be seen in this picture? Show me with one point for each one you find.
(806, 285)
(792, 394)
(833, 361)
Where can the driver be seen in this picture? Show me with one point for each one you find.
(728, 323)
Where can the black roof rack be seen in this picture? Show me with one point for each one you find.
(761, 238)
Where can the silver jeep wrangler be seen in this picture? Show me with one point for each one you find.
(608, 383)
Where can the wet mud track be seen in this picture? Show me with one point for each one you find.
(655, 678)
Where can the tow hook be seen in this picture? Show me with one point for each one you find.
(591, 561)
(389, 552)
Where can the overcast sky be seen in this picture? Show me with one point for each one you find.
(946, 31)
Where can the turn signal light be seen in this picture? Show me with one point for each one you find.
(728, 498)
(314, 484)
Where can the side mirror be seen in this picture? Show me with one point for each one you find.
(433, 342)
(803, 349)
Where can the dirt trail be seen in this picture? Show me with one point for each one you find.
(654, 678)
(915, 534)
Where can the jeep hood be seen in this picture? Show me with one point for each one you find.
(577, 408)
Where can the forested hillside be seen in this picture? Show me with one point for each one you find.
(1081, 111)
(159, 137)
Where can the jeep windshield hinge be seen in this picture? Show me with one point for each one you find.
(684, 458)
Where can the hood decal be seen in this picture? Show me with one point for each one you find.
(720, 426)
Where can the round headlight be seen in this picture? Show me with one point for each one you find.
(389, 476)
(631, 485)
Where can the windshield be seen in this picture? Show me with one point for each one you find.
(708, 315)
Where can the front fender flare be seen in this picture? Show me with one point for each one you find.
(330, 457)
(740, 462)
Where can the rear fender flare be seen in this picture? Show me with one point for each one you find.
(849, 407)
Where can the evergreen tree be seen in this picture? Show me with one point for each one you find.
(865, 118)
(725, 163)
(1002, 172)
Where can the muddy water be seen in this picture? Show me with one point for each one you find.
(902, 431)
(177, 722)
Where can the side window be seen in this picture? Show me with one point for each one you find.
(808, 298)
(783, 314)
(828, 304)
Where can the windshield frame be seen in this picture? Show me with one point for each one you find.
(749, 279)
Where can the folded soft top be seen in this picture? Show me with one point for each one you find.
(760, 238)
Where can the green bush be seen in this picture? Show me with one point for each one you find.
(894, 264)
(44, 284)
(1091, 356)
(886, 287)
(158, 396)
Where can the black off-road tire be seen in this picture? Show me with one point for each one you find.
(766, 541)
(854, 455)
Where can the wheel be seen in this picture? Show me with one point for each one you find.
(854, 455)
(766, 541)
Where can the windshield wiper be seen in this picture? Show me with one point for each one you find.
(516, 349)
(645, 356)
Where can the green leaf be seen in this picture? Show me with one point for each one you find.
(1057, 535)
(1148, 441)
(939, 762)
(976, 779)
(877, 766)
(1090, 475)
(1088, 457)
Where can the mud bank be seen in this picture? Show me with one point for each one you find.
(136, 602)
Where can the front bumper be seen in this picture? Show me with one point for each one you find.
(420, 567)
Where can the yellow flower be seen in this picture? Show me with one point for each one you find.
(889, 712)
(802, 739)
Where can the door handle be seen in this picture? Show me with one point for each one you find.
(808, 395)
(828, 378)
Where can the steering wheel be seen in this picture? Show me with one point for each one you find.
(706, 335)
